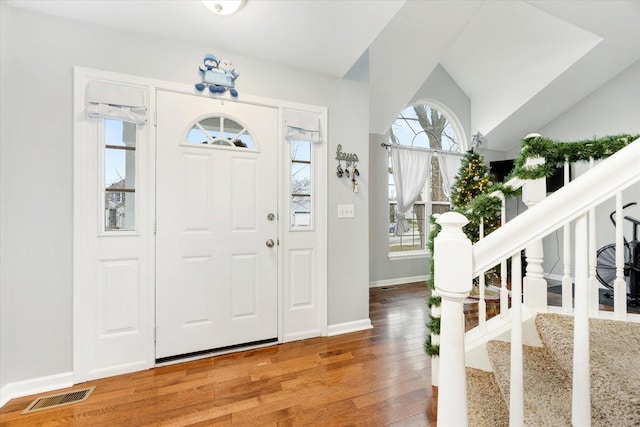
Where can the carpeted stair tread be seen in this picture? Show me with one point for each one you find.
(547, 394)
(615, 362)
(485, 405)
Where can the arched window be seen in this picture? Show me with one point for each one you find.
(428, 127)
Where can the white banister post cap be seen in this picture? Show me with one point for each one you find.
(451, 221)
(452, 257)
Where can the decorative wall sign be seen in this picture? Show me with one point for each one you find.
(217, 75)
(350, 170)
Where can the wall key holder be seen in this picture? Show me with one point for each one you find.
(350, 170)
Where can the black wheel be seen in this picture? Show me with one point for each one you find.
(606, 265)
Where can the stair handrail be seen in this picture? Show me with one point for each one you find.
(613, 174)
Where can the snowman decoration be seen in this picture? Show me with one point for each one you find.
(217, 75)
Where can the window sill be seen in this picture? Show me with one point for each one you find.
(408, 255)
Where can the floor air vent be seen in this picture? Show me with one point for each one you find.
(60, 399)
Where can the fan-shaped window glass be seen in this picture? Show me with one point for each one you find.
(220, 131)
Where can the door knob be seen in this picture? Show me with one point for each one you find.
(271, 217)
(270, 243)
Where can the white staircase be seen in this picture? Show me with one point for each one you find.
(572, 209)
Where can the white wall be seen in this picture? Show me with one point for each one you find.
(5, 329)
(38, 55)
(612, 109)
(440, 87)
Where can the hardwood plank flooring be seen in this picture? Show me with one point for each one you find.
(378, 377)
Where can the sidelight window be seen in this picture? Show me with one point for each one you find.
(300, 180)
(119, 175)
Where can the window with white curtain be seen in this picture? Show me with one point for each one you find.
(422, 129)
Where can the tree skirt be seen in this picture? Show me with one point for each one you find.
(491, 294)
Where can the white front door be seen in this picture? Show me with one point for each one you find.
(216, 211)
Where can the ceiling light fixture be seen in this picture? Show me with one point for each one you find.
(224, 7)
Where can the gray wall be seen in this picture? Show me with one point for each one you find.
(36, 148)
(5, 329)
(612, 109)
(439, 86)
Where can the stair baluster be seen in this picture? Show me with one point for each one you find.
(504, 292)
(516, 390)
(581, 397)
(567, 281)
(619, 284)
(482, 304)
(594, 297)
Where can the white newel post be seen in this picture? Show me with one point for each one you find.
(453, 266)
(534, 283)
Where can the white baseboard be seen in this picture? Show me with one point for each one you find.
(398, 281)
(35, 386)
(344, 328)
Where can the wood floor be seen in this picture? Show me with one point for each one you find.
(378, 377)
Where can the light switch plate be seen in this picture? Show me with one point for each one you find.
(345, 211)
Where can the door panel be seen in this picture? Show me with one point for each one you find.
(216, 279)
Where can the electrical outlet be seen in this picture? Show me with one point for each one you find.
(345, 211)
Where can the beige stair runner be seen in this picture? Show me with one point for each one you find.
(615, 374)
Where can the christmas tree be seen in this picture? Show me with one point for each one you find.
(473, 180)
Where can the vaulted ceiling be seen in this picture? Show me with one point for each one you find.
(521, 63)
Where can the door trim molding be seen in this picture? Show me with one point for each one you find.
(84, 166)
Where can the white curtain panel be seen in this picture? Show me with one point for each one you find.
(302, 126)
(118, 102)
(410, 169)
(449, 168)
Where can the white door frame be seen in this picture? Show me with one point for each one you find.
(83, 331)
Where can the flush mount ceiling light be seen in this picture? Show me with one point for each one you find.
(224, 7)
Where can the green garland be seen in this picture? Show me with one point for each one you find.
(555, 154)
(434, 325)
(434, 301)
(431, 349)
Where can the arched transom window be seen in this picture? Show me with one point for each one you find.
(220, 131)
